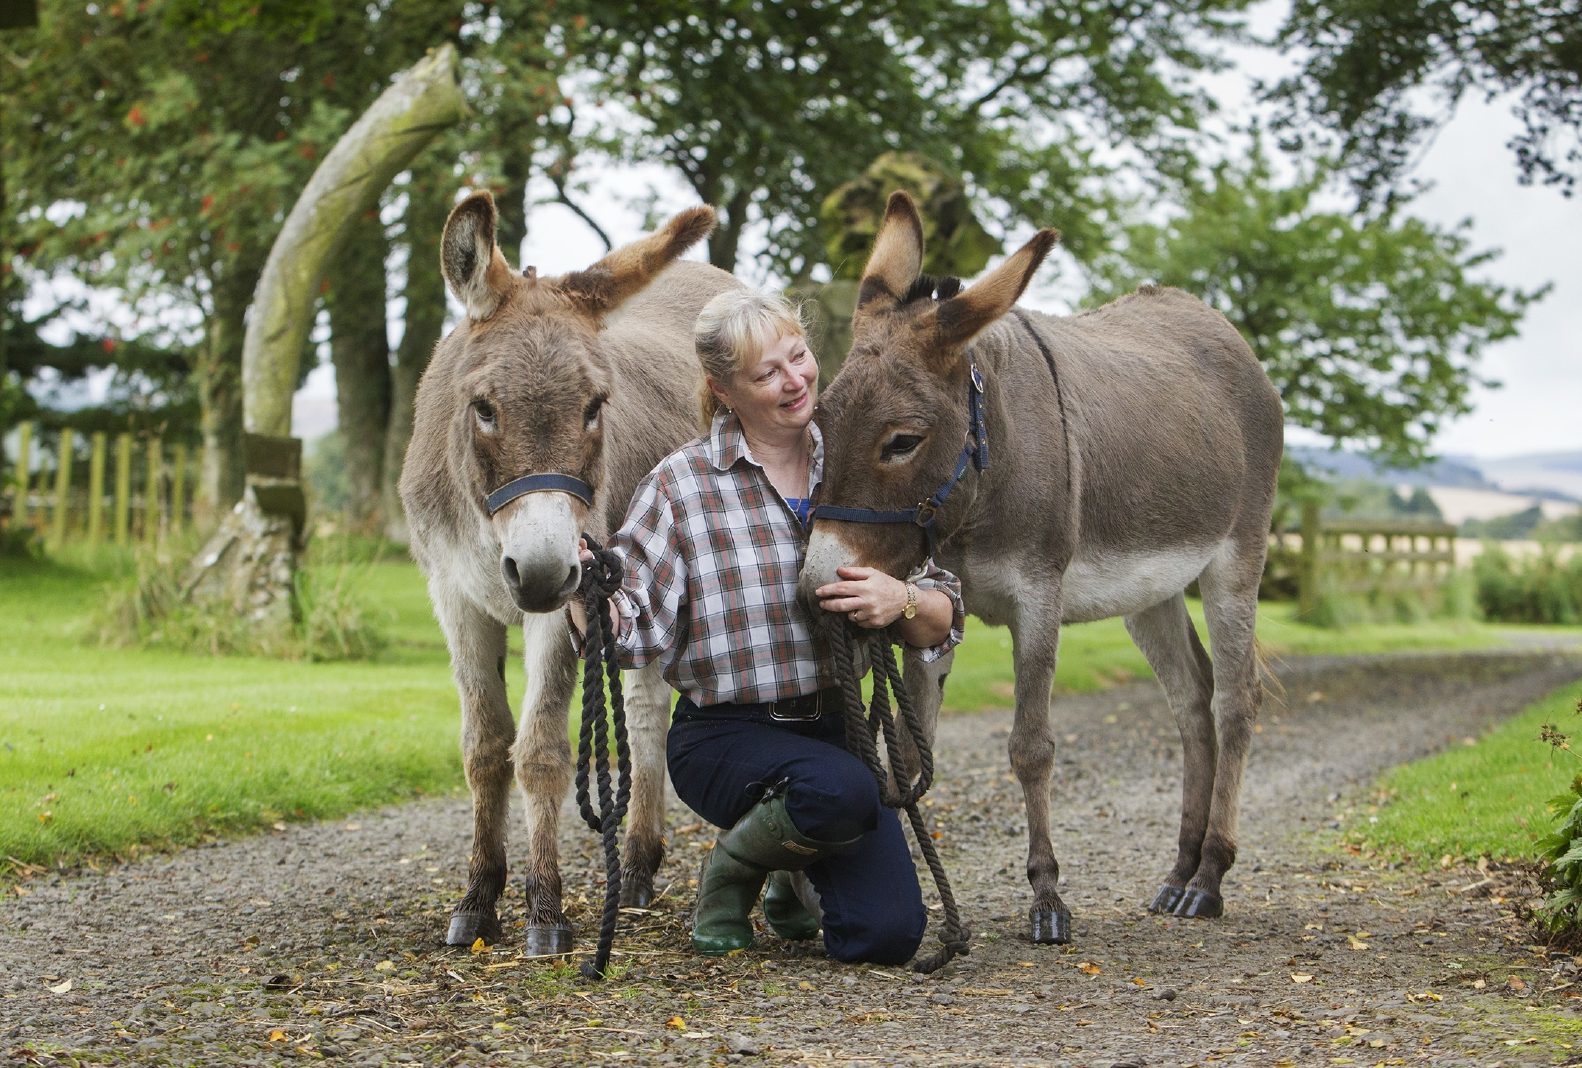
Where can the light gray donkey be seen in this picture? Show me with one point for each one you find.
(589, 378)
(1120, 455)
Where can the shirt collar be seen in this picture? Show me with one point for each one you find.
(727, 444)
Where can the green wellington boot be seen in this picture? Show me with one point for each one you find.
(788, 914)
(762, 841)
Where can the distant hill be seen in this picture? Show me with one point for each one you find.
(1458, 472)
(1466, 486)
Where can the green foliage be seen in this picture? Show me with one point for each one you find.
(1515, 526)
(1378, 78)
(1561, 848)
(1543, 587)
(1370, 326)
(765, 108)
(330, 619)
(1452, 599)
(1363, 499)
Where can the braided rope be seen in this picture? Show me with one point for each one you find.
(599, 580)
(862, 732)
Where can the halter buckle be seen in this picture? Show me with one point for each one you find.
(925, 513)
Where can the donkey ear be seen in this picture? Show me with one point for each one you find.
(620, 275)
(962, 318)
(474, 269)
(897, 256)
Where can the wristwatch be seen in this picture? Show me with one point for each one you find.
(910, 611)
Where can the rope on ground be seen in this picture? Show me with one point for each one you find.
(863, 728)
(600, 579)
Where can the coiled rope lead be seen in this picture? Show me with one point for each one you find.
(863, 728)
(600, 579)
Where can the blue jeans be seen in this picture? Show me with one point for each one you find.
(873, 909)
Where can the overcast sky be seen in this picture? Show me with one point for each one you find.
(1537, 409)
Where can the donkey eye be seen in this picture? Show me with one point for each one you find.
(900, 445)
(484, 411)
(590, 414)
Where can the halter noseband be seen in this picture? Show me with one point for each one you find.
(975, 451)
(521, 487)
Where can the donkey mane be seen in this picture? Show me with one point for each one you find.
(930, 287)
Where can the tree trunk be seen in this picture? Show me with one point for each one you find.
(429, 202)
(360, 351)
(422, 102)
(219, 374)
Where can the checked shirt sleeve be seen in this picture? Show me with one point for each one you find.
(652, 601)
(933, 577)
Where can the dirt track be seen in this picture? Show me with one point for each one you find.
(323, 941)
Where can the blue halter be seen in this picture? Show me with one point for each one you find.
(521, 487)
(975, 451)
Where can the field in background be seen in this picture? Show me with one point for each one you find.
(108, 751)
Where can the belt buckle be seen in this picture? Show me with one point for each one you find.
(777, 716)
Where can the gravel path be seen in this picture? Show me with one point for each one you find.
(323, 940)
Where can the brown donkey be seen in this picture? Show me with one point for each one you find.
(589, 378)
(1068, 469)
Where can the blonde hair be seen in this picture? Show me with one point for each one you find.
(734, 329)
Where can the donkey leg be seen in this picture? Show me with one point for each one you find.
(1035, 641)
(477, 655)
(647, 723)
(543, 768)
(1169, 642)
(1230, 606)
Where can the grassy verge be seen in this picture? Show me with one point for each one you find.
(106, 751)
(1485, 798)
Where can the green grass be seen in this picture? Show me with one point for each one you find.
(106, 751)
(1097, 655)
(102, 750)
(1487, 797)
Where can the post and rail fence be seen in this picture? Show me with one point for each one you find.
(117, 490)
(1361, 556)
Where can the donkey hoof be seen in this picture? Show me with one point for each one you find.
(467, 927)
(548, 940)
(1167, 899)
(1050, 927)
(1200, 905)
(637, 891)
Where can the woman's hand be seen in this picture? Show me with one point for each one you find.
(873, 599)
(866, 596)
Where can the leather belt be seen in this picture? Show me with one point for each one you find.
(805, 708)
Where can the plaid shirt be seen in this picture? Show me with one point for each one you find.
(711, 553)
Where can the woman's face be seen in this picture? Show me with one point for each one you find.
(775, 393)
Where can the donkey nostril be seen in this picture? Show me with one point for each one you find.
(513, 577)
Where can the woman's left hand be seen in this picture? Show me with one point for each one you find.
(868, 597)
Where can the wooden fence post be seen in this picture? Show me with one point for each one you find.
(24, 446)
(178, 487)
(62, 487)
(1307, 564)
(123, 489)
(101, 442)
(153, 499)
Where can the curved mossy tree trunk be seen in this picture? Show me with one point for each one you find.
(250, 562)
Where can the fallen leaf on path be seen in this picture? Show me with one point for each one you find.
(1298, 977)
(63, 988)
(1089, 968)
(676, 1023)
